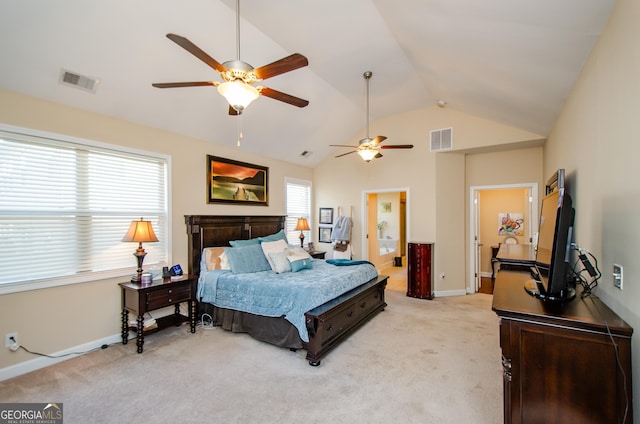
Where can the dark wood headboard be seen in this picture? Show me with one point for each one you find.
(217, 230)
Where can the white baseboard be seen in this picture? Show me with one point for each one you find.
(43, 361)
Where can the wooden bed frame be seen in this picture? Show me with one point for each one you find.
(327, 325)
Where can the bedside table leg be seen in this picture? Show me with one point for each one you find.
(125, 326)
(192, 315)
(140, 333)
(176, 315)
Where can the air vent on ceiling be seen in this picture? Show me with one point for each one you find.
(441, 140)
(76, 80)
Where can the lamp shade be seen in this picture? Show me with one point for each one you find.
(367, 154)
(238, 94)
(140, 231)
(302, 225)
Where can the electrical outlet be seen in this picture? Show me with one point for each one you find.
(617, 276)
(11, 341)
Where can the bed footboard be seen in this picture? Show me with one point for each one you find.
(331, 323)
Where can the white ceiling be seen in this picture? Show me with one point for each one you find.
(511, 61)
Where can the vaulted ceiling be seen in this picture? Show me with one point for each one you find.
(511, 61)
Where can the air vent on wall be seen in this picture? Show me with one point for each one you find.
(441, 140)
(76, 80)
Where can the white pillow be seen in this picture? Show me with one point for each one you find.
(280, 262)
(273, 247)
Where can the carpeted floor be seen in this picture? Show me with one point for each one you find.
(418, 361)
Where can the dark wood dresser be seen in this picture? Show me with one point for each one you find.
(563, 363)
(420, 270)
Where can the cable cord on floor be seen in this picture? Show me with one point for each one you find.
(104, 346)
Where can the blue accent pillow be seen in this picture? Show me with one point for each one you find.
(245, 259)
(300, 264)
(280, 235)
(242, 243)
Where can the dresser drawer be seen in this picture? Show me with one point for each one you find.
(168, 296)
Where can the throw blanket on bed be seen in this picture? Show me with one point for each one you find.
(289, 294)
(346, 262)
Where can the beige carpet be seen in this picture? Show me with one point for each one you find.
(419, 361)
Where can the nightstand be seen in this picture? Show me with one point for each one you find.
(317, 254)
(142, 298)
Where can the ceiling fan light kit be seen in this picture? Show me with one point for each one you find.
(369, 148)
(367, 153)
(238, 94)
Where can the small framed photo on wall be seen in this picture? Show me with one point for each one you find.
(326, 215)
(324, 234)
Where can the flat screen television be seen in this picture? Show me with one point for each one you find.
(550, 275)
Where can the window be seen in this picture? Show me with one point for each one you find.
(298, 198)
(66, 204)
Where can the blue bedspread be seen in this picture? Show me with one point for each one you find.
(289, 294)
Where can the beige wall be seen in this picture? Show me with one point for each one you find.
(596, 139)
(51, 320)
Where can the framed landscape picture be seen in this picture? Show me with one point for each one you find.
(231, 181)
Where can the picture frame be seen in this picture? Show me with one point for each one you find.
(232, 181)
(324, 234)
(326, 216)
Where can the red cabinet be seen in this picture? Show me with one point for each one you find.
(420, 270)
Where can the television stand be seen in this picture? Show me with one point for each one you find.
(560, 359)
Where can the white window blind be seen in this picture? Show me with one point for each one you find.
(65, 207)
(298, 194)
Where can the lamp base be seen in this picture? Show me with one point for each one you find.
(301, 240)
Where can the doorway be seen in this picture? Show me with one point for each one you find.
(385, 226)
(498, 213)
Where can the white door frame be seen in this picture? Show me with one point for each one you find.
(365, 225)
(532, 225)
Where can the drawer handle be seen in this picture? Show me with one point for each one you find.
(170, 300)
(170, 291)
(329, 327)
(363, 304)
(350, 314)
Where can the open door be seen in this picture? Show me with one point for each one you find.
(486, 205)
(385, 226)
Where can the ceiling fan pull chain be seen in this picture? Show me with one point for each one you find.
(240, 136)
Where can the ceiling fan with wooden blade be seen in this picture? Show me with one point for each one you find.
(369, 148)
(239, 76)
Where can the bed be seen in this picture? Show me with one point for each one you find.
(328, 303)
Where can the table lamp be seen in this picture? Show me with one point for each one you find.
(301, 226)
(140, 231)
